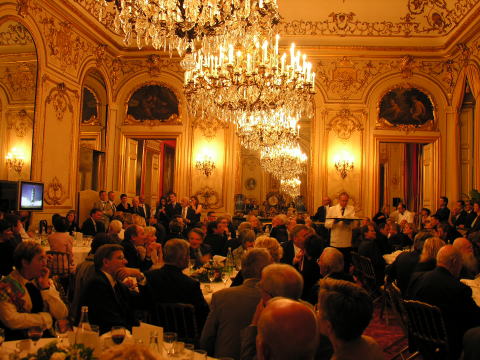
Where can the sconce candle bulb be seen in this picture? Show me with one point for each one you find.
(206, 165)
(344, 164)
(15, 160)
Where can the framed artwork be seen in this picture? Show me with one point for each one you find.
(250, 184)
(154, 104)
(406, 107)
(89, 108)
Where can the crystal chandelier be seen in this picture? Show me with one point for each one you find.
(242, 82)
(267, 130)
(291, 187)
(185, 25)
(283, 162)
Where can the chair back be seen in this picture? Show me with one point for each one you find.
(395, 298)
(178, 318)
(364, 269)
(427, 329)
(58, 263)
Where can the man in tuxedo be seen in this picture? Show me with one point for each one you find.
(321, 213)
(104, 205)
(187, 213)
(443, 212)
(110, 303)
(441, 287)
(471, 215)
(94, 224)
(28, 296)
(124, 206)
(173, 208)
(233, 308)
(134, 236)
(146, 208)
(169, 285)
(341, 230)
(136, 209)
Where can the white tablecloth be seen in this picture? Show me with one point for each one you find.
(390, 258)
(214, 287)
(79, 253)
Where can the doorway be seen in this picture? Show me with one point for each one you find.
(149, 167)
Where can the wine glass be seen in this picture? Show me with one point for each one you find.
(225, 277)
(169, 339)
(62, 327)
(35, 333)
(191, 265)
(211, 275)
(118, 334)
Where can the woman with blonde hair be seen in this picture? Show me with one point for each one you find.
(428, 258)
(153, 248)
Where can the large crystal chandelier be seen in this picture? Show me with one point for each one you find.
(291, 187)
(184, 25)
(283, 161)
(253, 81)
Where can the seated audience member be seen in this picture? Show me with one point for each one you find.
(357, 233)
(187, 213)
(152, 248)
(114, 229)
(197, 208)
(443, 212)
(246, 238)
(293, 250)
(173, 208)
(469, 262)
(6, 248)
(124, 206)
(216, 238)
(175, 229)
(404, 265)
(110, 302)
(137, 209)
(244, 226)
(428, 258)
(424, 218)
(135, 236)
(199, 251)
(233, 308)
(160, 233)
(447, 233)
(441, 287)
(314, 246)
(27, 296)
(85, 272)
(105, 206)
(404, 216)
(384, 229)
(321, 213)
(287, 330)
(19, 233)
(381, 216)
(169, 285)
(72, 224)
(459, 215)
(396, 239)
(211, 216)
(433, 222)
(344, 311)
(61, 241)
(471, 215)
(471, 344)
(94, 224)
(279, 228)
(409, 230)
(370, 248)
(256, 225)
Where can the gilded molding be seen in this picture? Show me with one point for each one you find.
(20, 80)
(60, 100)
(55, 193)
(209, 198)
(99, 54)
(16, 34)
(209, 126)
(345, 123)
(20, 122)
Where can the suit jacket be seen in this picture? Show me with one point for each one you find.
(460, 219)
(139, 211)
(125, 209)
(470, 217)
(107, 307)
(147, 210)
(341, 234)
(107, 208)
(438, 287)
(204, 250)
(288, 252)
(218, 244)
(133, 257)
(173, 210)
(190, 216)
(232, 310)
(88, 228)
(321, 214)
(402, 269)
(443, 214)
(280, 233)
(169, 285)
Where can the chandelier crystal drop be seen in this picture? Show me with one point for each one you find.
(291, 187)
(187, 25)
(283, 161)
(244, 81)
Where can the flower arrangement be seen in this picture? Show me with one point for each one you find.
(202, 273)
(52, 351)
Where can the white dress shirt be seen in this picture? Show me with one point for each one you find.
(407, 215)
(341, 234)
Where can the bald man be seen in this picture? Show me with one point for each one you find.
(469, 261)
(289, 320)
(441, 287)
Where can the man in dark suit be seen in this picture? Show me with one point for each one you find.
(279, 228)
(321, 213)
(134, 236)
(170, 285)
(187, 213)
(471, 215)
(443, 212)
(173, 208)
(146, 208)
(216, 238)
(136, 208)
(441, 287)
(293, 250)
(233, 308)
(199, 251)
(94, 223)
(124, 206)
(459, 215)
(110, 303)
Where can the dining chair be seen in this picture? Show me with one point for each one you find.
(178, 318)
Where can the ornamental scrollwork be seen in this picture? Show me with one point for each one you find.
(20, 122)
(16, 34)
(60, 100)
(55, 193)
(20, 80)
(209, 127)
(209, 198)
(345, 123)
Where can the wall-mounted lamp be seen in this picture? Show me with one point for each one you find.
(15, 160)
(343, 164)
(205, 164)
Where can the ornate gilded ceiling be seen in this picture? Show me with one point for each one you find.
(403, 24)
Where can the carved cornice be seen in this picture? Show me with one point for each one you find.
(16, 34)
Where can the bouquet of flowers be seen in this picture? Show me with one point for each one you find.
(52, 351)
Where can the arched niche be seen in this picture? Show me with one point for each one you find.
(18, 80)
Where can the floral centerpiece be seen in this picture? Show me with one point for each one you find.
(52, 351)
(201, 274)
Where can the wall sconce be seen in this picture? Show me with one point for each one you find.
(343, 164)
(15, 160)
(206, 165)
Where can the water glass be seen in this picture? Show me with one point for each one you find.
(62, 327)
(188, 352)
(154, 343)
(200, 355)
(35, 333)
(169, 339)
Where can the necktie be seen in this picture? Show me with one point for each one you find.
(343, 211)
(36, 297)
(184, 213)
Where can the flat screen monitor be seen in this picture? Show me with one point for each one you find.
(8, 196)
(31, 196)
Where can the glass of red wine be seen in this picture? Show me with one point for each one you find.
(118, 334)
(35, 333)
